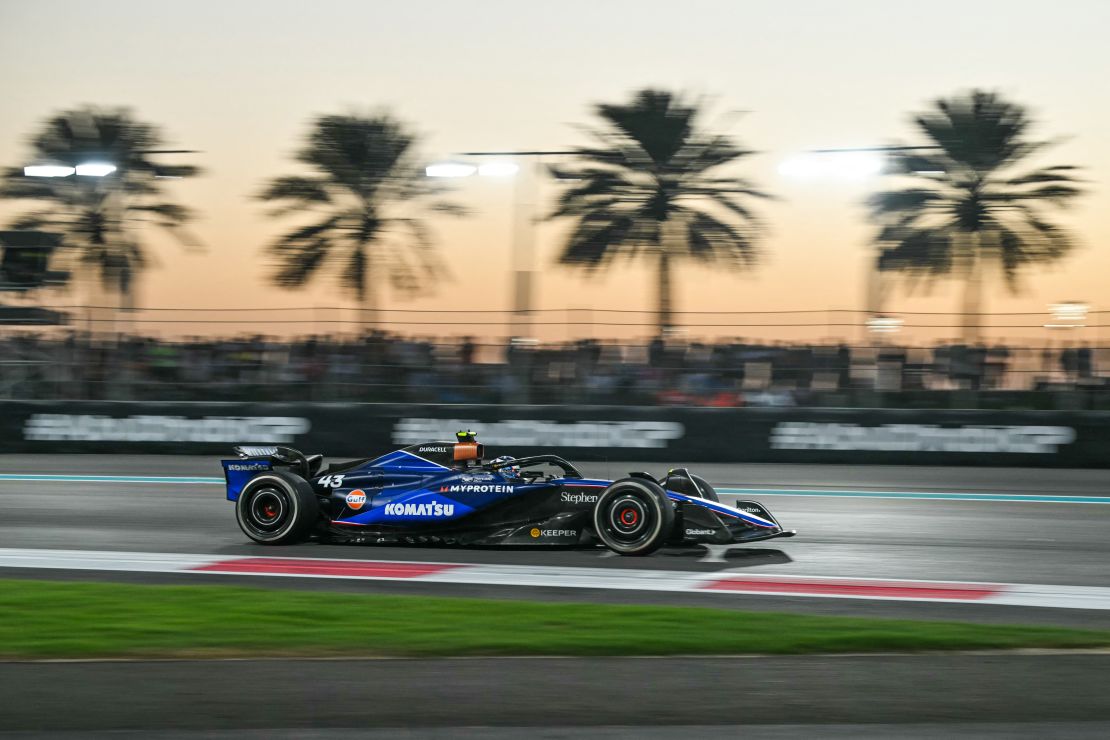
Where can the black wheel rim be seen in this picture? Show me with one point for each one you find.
(629, 519)
(266, 510)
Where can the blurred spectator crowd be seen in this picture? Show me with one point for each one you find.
(386, 367)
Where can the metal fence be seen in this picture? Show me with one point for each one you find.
(1061, 323)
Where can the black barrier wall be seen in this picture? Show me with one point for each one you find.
(654, 435)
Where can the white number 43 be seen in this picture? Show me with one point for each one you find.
(331, 481)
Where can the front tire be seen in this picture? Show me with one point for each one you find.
(633, 516)
(277, 508)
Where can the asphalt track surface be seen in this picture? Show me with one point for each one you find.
(985, 540)
(948, 695)
(861, 522)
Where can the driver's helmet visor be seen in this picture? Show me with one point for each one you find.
(506, 468)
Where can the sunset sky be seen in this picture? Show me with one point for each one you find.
(239, 80)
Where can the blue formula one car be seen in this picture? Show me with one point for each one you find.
(446, 493)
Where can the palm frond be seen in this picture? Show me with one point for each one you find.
(710, 239)
(654, 172)
(967, 189)
(94, 215)
(364, 181)
(297, 191)
(296, 265)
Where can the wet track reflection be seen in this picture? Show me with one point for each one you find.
(989, 541)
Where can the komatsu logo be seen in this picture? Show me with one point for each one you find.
(479, 488)
(432, 508)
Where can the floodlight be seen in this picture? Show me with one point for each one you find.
(498, 169)
(450, 169)
(48, 170)
(95, 169)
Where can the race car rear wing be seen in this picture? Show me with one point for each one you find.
(276, 455)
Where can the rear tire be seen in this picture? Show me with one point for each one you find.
(633, 516)
(277, 508)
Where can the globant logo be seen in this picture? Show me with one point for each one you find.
(579, 498)
(433, 508)
(695, 532)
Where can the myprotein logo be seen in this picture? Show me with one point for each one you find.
(546, 433)
(143, 428)
(476, 488)
(579, 498)
(1037, 440)
(433, 508)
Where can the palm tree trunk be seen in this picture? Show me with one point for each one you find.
(971, 320)
(664, 318)
(367, 295)
(369, 309)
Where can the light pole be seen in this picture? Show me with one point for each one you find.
(854, 164)
(525, 202)
(82, 169)
(78, 164)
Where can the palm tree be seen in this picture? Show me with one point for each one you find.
(654, 190)
(363, 201)
(96, 215)
(964, 208)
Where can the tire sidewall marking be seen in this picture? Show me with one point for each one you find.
(290, 496)
(654, 507)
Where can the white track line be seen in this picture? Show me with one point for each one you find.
(719, 582)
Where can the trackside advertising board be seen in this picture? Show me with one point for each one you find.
(648, 434)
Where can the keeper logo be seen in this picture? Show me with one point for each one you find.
(538, 533)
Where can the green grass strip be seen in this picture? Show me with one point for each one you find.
(45, 619)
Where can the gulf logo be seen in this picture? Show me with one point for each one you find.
(356, 499)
